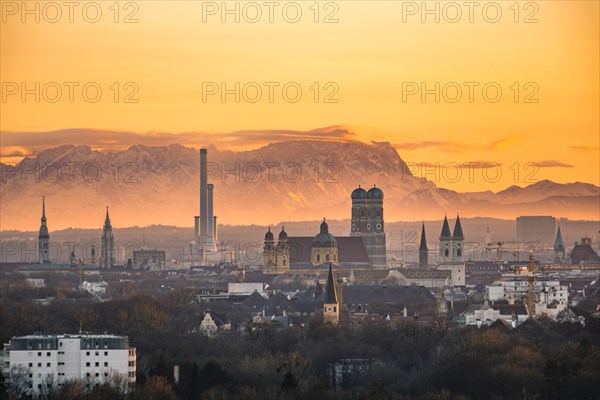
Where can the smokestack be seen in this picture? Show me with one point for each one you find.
(215, 232)
(196, 227)
(203, 197)
(209, 217)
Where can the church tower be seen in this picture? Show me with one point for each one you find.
(107, 251)
(282, 251)
(269, 262)
(445, 241)
(457, 241)
(44, 237)
(559, 248)
(367, 222)
(423, 250)
(331, 306)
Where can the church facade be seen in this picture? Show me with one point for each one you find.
(363, 249)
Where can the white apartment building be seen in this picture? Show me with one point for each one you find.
(55, 359)
(513, 288)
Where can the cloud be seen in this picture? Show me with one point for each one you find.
(451, 146)
(552, 164)
(585, 148)
(453, 164)
(21, 144)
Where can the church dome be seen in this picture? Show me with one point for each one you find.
(269, 235)
(324, 238)
(282, 235)
(359, 193)
(375, 193)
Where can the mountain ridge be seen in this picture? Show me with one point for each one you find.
(292, 180)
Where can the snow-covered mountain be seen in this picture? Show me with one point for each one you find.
(286, 181)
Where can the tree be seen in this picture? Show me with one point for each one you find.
(18, 383)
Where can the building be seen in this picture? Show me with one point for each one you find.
(536, 229)
(451, 251)
(44, 237)
(305, 253)
(99, 289)
(423, 250)
(514, 288)
(107, 251)
(584, 253)
(149, 259)
(331, 305)
(213, 323)
(559, 248)
(56, 359)
(367, 223)
(205, 224)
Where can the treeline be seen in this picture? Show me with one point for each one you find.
(539, 360)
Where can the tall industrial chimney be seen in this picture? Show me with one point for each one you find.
(215, 232)
(196, 227)
(209, 219)
(203, 198)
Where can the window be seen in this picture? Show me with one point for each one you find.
(60, 344)
(446, 252)
(87, 353)
(106, 353)
(97, 364)
(30, 365)
(106, 363)
(97, 374)
(40, 365)
(327, 257)
(318, 257)
(87, 374)
(87, 364)
(48, 354)
(39, 353)
(48, 364)
(97, 353)
(106, 374)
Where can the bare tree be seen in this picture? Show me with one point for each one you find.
(18, 383)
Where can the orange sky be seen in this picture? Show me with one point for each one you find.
(369, 54)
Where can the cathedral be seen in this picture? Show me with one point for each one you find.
(367, 223)
(363, 249)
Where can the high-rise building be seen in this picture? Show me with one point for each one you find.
(107, 251)
(536, 229)
(367, 222)
(56, 359)
(44, 237)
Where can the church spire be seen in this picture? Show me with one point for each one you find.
(445, 229)
(423, 245)
(330, 292)
(423, 250)
(458, 232)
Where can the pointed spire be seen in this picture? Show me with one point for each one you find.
(423, 245)
(458, 233)
(445, 229)
(330, 292)
(559, 244)
(43, 208)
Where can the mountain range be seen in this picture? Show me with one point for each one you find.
(285, 181)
